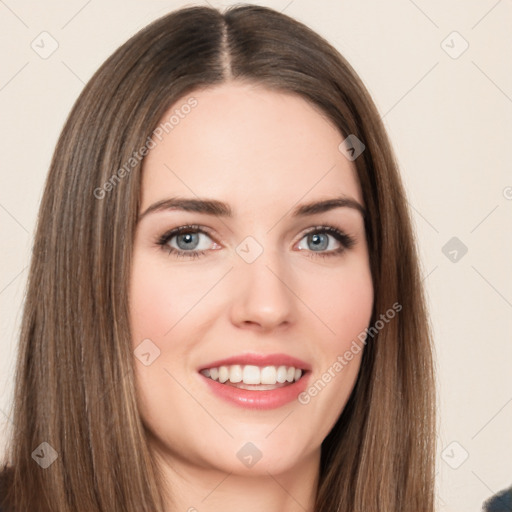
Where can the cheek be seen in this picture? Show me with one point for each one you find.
(343, 303)
(160, 296)
(148, 302)
(345, 306)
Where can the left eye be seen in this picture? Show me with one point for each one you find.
(319, 241)
(318, 238)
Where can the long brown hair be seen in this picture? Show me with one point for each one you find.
(75, 387)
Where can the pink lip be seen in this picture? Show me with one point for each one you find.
(268, 399)
(260, 360)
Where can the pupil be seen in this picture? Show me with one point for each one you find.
(187, 237)
(318, 242)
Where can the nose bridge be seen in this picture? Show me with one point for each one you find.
(263, 295)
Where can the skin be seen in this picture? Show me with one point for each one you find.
(262, 152)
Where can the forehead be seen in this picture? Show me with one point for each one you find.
(249, 146)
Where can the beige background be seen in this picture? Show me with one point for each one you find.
(449, 116)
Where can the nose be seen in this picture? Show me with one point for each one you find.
(263, 296)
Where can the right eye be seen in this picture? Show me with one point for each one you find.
(183, 241)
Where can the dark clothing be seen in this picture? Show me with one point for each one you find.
(501, 502)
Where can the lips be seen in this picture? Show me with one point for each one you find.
(287, 379)
(260, 360)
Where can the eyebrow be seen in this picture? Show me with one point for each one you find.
(221, 209)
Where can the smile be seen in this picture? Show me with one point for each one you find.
(249, 376)
(256, 381)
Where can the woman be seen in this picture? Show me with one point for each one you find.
(285, 361)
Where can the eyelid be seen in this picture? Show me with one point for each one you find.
(163, 241)
(346, 241)
(326, 228)
(340, 235)
(165, 237)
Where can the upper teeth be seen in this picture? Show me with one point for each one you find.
(250, 374)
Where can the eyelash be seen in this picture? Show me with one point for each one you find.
(345, 240)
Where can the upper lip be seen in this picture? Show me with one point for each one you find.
(259, 360)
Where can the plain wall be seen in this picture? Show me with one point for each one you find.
(449, 116)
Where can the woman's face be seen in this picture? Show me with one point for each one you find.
(261, 293)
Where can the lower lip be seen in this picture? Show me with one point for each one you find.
(266, 399)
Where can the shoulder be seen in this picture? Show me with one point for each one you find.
(501, 502)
